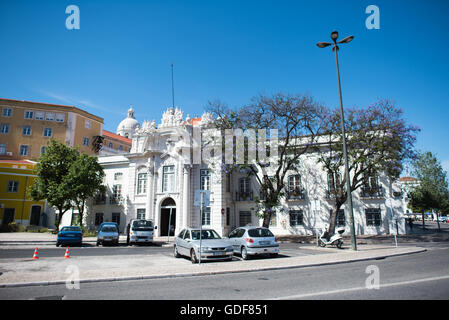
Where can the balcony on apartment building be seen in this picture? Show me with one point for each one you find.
(244, 196)
(372, 192)
(296, 194)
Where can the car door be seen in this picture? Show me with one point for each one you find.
(233, 240)
(184, 246)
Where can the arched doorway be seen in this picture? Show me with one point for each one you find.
(168, 217)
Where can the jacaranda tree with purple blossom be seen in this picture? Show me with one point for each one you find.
(378, 141)
(298, 120)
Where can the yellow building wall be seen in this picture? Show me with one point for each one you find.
(61, 131)
(19, 201)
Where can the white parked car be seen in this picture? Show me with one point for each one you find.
(250, 241)
(213, 247)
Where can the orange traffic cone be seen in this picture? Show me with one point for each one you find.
(67, 254)
(35, 255)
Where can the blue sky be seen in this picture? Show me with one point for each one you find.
(228, 50)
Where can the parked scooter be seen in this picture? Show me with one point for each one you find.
(335, 240)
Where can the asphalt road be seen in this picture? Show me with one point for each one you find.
(87, 250)
(416, 276)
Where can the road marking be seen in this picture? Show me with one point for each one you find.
(301, 296)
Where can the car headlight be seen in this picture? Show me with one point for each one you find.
(205, 249)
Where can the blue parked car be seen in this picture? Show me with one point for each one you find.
(70, 235)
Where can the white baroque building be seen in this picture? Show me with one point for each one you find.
(154, 181)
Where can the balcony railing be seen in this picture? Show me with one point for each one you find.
(372, 192)
(244, 196)
(295, 194)
(116, 200)
(100, 200)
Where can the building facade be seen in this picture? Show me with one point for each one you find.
(114, 144)
(26, 127)
(154, 181)
(16, 176)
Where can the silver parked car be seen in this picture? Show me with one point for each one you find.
(108, 233)
(248, 241)
(213, 247)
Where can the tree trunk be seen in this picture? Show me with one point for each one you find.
(438, 221)
(333, 219)
(58, 222)
(423, 220)
(266, 219)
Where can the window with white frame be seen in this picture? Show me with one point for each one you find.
(244, 185)
(87, 124)
(26, 131)
(7, 112)
(4, 128)
(60, 117)
(244, 218)
(296, 217)
(141, 214)
(48, 132)
(168, 178)
(2, 149)
(373, 217)
(141, 183)
(13, 186)
(85, 141)
(294, 183)
(39, 115)
(49, 116)
(205, 221)
(204, 180)
(43, 149)
(28, 114)
(333, 181)
(118, 175)
(24, 149)
(116, 193)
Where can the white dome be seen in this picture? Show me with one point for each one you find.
(128, 125)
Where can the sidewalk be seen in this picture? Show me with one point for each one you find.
(50, 271)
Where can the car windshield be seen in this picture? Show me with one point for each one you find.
(205, 234)
(142, 225)
(109, 229)
(71, 229)
(259, 233)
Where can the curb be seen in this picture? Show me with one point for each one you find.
(206, 273)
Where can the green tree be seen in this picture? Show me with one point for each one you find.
(52, 181)
(86, 180)
(432, 193)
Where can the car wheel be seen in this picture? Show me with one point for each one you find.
(98, 243)
(57, 244)
(175, 252)
(244, 253)
(193, 256)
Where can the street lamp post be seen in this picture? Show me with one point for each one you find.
(334, 36)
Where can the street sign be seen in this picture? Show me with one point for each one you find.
(197, 198)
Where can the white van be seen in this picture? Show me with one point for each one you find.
(139, 231)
